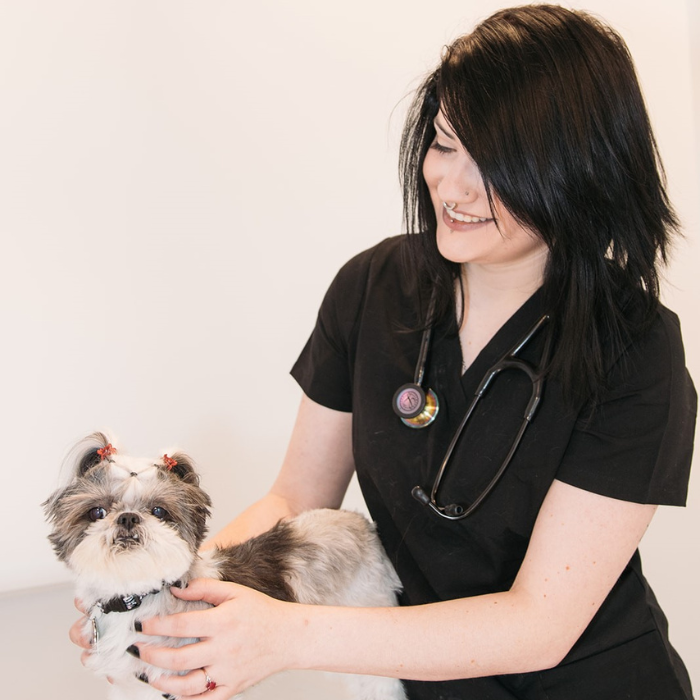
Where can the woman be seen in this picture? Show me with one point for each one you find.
(538, 215)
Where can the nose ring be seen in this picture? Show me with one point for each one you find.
(449, 207)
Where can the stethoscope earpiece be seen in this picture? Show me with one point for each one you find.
(415, 407)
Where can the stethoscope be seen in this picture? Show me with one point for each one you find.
(417, 409)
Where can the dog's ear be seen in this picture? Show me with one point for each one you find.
(89, 452)
(182, 466)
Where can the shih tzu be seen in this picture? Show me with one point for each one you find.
(130, 528)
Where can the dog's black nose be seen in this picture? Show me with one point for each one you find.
(128, 520)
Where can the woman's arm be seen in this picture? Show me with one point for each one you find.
(315, 473)
(580, 545)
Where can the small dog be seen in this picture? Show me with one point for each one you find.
(131, 528)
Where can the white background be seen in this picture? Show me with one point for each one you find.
(180, 181)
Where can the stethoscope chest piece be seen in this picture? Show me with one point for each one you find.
(415, 407)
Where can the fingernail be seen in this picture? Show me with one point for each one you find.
(138, 627)
(134, 651)
(143, 678)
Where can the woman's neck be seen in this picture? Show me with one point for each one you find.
(492, 294)
(505, 287)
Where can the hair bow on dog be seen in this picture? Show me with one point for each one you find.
(107, 451)
(169, 462)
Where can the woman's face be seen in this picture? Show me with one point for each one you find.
(468, 233)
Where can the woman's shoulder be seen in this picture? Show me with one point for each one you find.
(634, 441)
(652, 370)
(386, 253)
(668, 323)
(660, 342)
(382, 264)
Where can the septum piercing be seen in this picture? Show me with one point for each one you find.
(449, 207)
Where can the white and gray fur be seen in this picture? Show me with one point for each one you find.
(132, 527)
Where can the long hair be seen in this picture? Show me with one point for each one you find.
(547, 103)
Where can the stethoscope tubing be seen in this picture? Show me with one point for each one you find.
(424, 345)
(507, 361)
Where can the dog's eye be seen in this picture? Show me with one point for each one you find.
(160, 513)
(97, 513)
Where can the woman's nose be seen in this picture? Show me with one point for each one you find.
(459, 183)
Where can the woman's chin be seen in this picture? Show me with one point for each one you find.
(454, 246)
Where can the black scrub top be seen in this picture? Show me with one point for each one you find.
(635, 445)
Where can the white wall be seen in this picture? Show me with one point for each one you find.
(179, 182)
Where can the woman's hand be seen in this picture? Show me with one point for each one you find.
(78, 635)
(243, 639)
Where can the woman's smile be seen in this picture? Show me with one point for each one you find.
(462, 222)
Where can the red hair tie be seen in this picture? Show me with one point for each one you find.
(169, 462)
(107, 451)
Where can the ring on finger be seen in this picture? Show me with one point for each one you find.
(210, 684)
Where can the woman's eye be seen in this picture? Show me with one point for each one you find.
(97, 513)
(437, 146)
(160, 513)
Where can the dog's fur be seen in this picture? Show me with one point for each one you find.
(130, 528)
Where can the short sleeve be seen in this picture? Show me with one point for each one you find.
(636, 443)
(324, 368)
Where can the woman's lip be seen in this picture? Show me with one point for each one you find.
(461, 225)
(462, 215)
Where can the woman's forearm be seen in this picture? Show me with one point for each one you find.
(580, 545)
(485, 635)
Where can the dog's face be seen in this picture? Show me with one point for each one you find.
(124, 521)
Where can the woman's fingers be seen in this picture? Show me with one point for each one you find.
(173, 658)
(191, 624)
(192, 684)
(79, 635)
(209, 590)
(198, 623)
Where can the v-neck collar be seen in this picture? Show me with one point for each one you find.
(503, 340)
